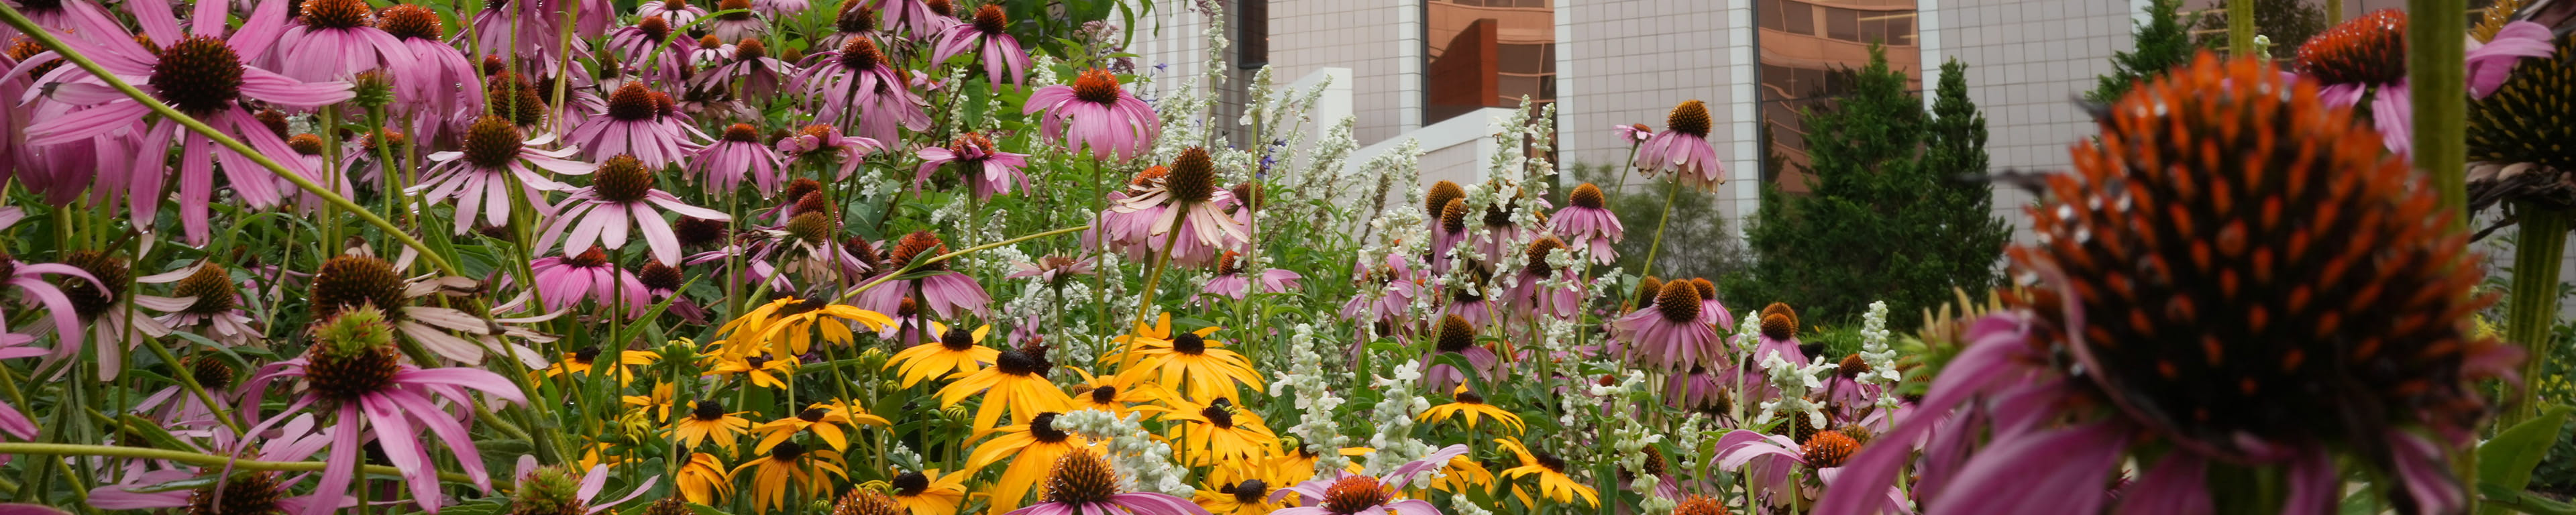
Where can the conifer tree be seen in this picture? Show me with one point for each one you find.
(2162, 41)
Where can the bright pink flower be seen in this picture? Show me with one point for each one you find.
(1588, 223)
(633, 125)
(734, 26)
(676, 13)
(1103, 116)
(206, 302)
(2365, 58)
(1528, 296)
(1683, 149)
(563, 282)
(648, 44)
(592, 482)
(296, 440)
(749, 72)
(1051, 270)
(989, 37)
(201, 73)
(1673, 334)
(1456, 336)
(336, 39)
(825, 142)
(1388, 486)
(29, 279)
(1633, 134)
(859, 88)
(621, 193)
(353, 372)
(723, 164)
(944, 290)
(1189, 211)
(1768, 460)
(781, 8)
(478, 178)
(986, 169)
(1231, 281)
(923, 19)
(1083, 483)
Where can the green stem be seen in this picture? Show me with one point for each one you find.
(187, 377)
(881, 279)
(1669, 193)
(2436, 76)
(2532, 306)
(11, 16)
(2240, 27)
(201, 459)
(1145, 298)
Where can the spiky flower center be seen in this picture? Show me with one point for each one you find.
(658, 276)
(1148, 176)
(1691, 117)
(622, 179)
(741, 8)
(2303, 290)
(1779, 321)
(1193, 178)
(248, 493)
(941, 7)
(2370, 49)
(2531, 118)
(1042, 427)
(492, 143)
(352, 355)
(787, 452)
(1470, 398)
(1827, 449)
(306, 144)
(856, 20)
(654, 28)
(919, 244)
(1081, 479)
(957, 339)
(1453, 216)
(1456, 334)
(1679, 302)
(910, 484)
(990, 20)
(710, 411)
(1188, 343)
(1096, 86)
(212, 287)
(198, 75)
(631, 102)
(550, 490)
(213, 374)
(1229, 263)
(513, 97)
(407, 21)
(25, 48)
(750, 50)
(1587, 196)
(694, 231)
(1699, 505)
(1539, 249)
(742, 133)
(1353, 494)
(1648, 288)
(92, 300)
(862, 501)
(860, 54)
(1552, 462)
(1707, 288)
(1435, 202)
(336, 14)
(382, 138)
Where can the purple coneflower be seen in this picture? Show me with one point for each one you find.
(201, 73)
(1528, 297)
(1187, 210)
(1103, 116)
(1683, 148)
(663, 282)
(1502, 233)
(854, 21)
(1388, 289)
(946, 291)
(553, 489)
(1347, 493)
(781, 8)
(2315, 347)
(1082, 483)
(1768, 461)
(633, 125)
(1448, 229)
(739, 151)
(750, 67)
(857, 79)
(1230, 281)
(564, 281)
(987, 170)
(1634, 134)
(823, 141)
(1588, 224)
(1053, 271)
(621, 193)
(354, 280)
(207, 302)
(353, 371)
(923, 19)
(309, 149)
(2365, 58)
(239, 492)
(1457, 337)
(989, 37)
(478, 178)
(675, 13)
(739, 25)
(1671, 335)
(114, 326)
(649, 43)
(334, 40)
(29, 278)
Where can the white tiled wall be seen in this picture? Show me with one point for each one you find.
(1630, 61)
(2028, 62)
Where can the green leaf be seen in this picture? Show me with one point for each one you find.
(2500, 498)
(2506, 461)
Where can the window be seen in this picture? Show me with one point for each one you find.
(1800, 71)
(1842, 24)
(1486, 53)
(1798, 18)
(1252, 34)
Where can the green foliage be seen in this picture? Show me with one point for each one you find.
(1888, 217)
(1697, 242)
(2162, 42)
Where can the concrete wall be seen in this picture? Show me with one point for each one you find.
(1630, 61)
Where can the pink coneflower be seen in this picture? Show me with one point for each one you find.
(1081, 482)
(237, 492)
(923, 19)
(1053, 271)
(1345, 493)
(309, 150)
(565, 281)
(207, 302)
(858, 79)
(182, 411)
(633, 126)
(1671, 335)
(854, 21)
(352, 370)
(986, 169)
(663, 282)
(648, 43)
(201, 73)
(825, 142)
(71, 19)
(1683, 149)
(1696, 390)
(710, 51)
(1718, 315)
(1457, 337)
(724, 163)
(1588, 224)
(989, 37)
(944, 290)
(735, 25)
(750, 67)
(1468, 295)
(1448, 229)
(1103, 116)
(539, 486)
(29, 279)
(2365, 58)
(1528, 297)
(2353, 354)
(531, 30)
(1634, 134)
(352, 280)
(361, 160)
(478, 178)
(781, 8)
(622, 192)
(1502, 232)
(1387, 290)
(336, 39)
(1230, 281)
(1779, 333)
(114, 325)
(1187, 209)
(674, 13)
(1769, 460)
